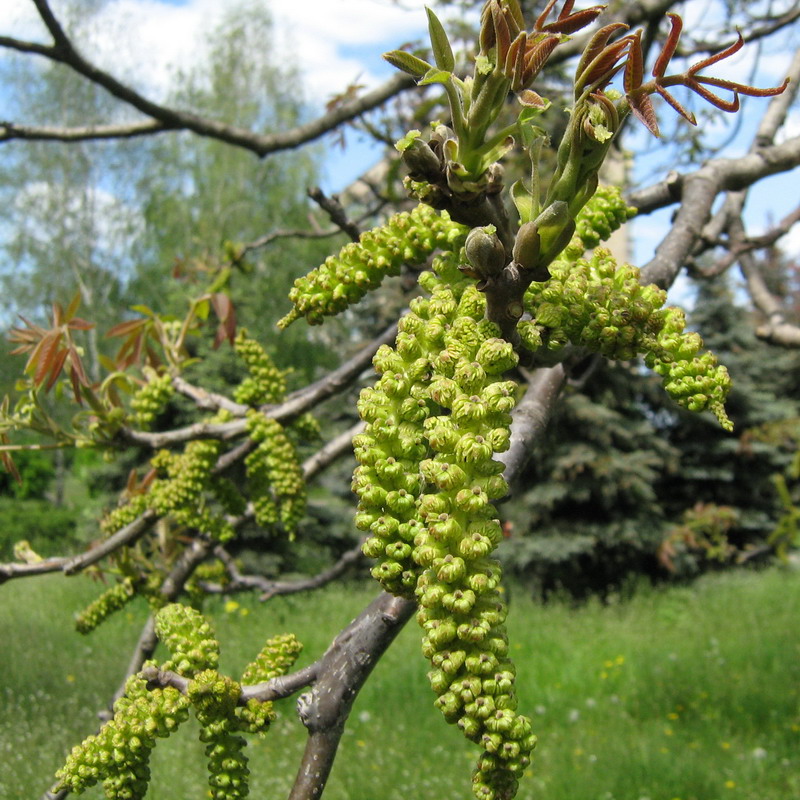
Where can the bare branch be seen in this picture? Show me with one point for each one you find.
(296, 403)
(270, 588)
(170, 119)
(331, 451)
(343, 670)
(209, 401)
(335, 211)
(531, 417)
(69, 565)
(11, 130)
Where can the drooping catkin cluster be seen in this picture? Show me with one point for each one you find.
(190, 639)
(426, 482)
(112, 599)
(151, 398)
(195, 654)
(214, 698)
(600, 304)
(120, 752)
(182, 489)
(265, 383)
(274, 474)
(342, 280)
(388, 481)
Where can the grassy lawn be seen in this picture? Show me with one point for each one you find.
(682, 694)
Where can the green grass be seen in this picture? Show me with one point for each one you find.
(687, 693)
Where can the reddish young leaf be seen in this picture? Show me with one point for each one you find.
(55, 370)
(77, 366)
(58, 315)
(502, 34)
(634, 66)
(536, 57)
(642, 107)
(670, 45)
(574, 22)
(542, 19)
(724, 105)
(223, 308)
(73, 306)
(8, 463)
(728, 51)
(515, 59)
(76, 385)
(602, 70)
(79, 324)
(596, 45)
(124, 328)
(742, 88)
(686, 114)
(42, 356)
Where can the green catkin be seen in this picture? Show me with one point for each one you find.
(189, 637)
(603, 214)
(151, 399)
(184, 488)
(275, 475)
(215, 698)
(123, 515)
(228, 495)
(600, 304)
(306, 427)
(342, 280)
(388, 481)
(275, 659)
(266, 383)
(426, 482)
(99, 610)
(119, 753)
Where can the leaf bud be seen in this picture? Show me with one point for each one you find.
(485, 251)
(527, 245)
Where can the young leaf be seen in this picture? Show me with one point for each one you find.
(434, 75)
(442, 52)
(407, 62)
(523, 200)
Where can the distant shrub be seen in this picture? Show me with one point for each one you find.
(48, 529)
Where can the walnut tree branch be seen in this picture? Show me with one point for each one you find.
(170, 119)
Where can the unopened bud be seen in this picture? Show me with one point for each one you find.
(485, 251)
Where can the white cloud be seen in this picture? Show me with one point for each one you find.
(337, 43)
